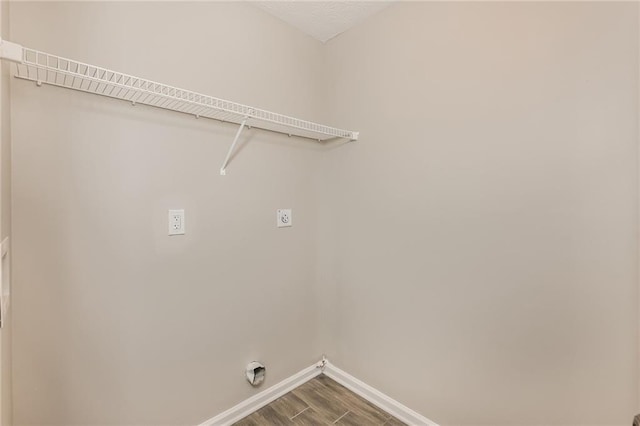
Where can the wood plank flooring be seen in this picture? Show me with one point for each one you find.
(321, 401)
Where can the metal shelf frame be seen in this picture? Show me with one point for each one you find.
(45, 68)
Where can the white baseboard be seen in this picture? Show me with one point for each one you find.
(377, 398)
(263, 398)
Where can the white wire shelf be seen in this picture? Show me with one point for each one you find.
(42, 67)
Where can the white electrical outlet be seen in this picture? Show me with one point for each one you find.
(176, 222)
(284, 218)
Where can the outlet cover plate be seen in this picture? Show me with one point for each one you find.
(176, 222)
(284, 218)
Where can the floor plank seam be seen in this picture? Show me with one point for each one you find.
(320, 401)
(299, 413)
(338, 419)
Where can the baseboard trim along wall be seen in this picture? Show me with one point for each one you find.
(263, 398)
(377, 398)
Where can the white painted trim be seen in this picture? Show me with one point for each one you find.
(263, 398)
(377, 398)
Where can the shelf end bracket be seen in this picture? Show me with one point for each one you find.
(223, 170)
(11, 51)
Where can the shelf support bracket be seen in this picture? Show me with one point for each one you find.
(223, 170)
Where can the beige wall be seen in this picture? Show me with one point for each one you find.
(474, 255)
(5, 222)
(485, 258)
(115, 322)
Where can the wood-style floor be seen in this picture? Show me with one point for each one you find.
(321, 401)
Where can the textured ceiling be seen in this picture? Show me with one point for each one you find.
(322, 20)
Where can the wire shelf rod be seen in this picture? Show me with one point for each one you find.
(42, 67)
